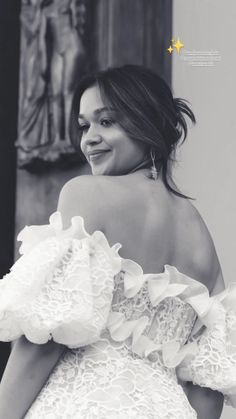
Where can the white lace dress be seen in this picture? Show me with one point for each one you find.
(131, 337)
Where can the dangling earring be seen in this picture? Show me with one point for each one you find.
(153, 170)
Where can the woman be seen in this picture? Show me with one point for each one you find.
(125, 343)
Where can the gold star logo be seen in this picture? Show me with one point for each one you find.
(178, 45)
(170, 49)
(173, 40)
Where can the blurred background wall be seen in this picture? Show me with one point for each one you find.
(207, 167)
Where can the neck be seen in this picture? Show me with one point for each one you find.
(145, 164)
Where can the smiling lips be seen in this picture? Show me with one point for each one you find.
(96, 154)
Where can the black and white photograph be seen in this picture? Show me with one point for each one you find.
(118, 209)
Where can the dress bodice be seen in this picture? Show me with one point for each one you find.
(110, 378)
(170, 320)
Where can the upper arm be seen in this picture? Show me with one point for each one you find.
(210, 269)
(82, 196)
(27, 370)
(206, 260)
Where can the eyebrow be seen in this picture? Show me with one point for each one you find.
(98, 111)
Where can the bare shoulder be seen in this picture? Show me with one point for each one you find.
(83, 184)
(205, 258)
(85, 196)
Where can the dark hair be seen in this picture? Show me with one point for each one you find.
(148, 112)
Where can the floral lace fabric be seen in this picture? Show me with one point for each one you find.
(108, 380)
(130, 336)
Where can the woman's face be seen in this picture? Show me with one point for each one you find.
(106, 146)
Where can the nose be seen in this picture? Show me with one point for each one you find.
(90, 138)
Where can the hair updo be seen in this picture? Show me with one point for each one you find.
(146, 111)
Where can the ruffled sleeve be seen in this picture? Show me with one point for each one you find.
(211, 361)
(61, 287)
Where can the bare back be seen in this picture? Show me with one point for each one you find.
(156, 227)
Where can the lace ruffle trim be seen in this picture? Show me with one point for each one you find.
(170, 283)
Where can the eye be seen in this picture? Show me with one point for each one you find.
(83, 128)
(107, 122)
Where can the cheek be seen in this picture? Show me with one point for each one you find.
(125, 149)
(137, 150)
(82, 144)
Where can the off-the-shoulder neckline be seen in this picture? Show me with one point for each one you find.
(31, 235)
(169, 283)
